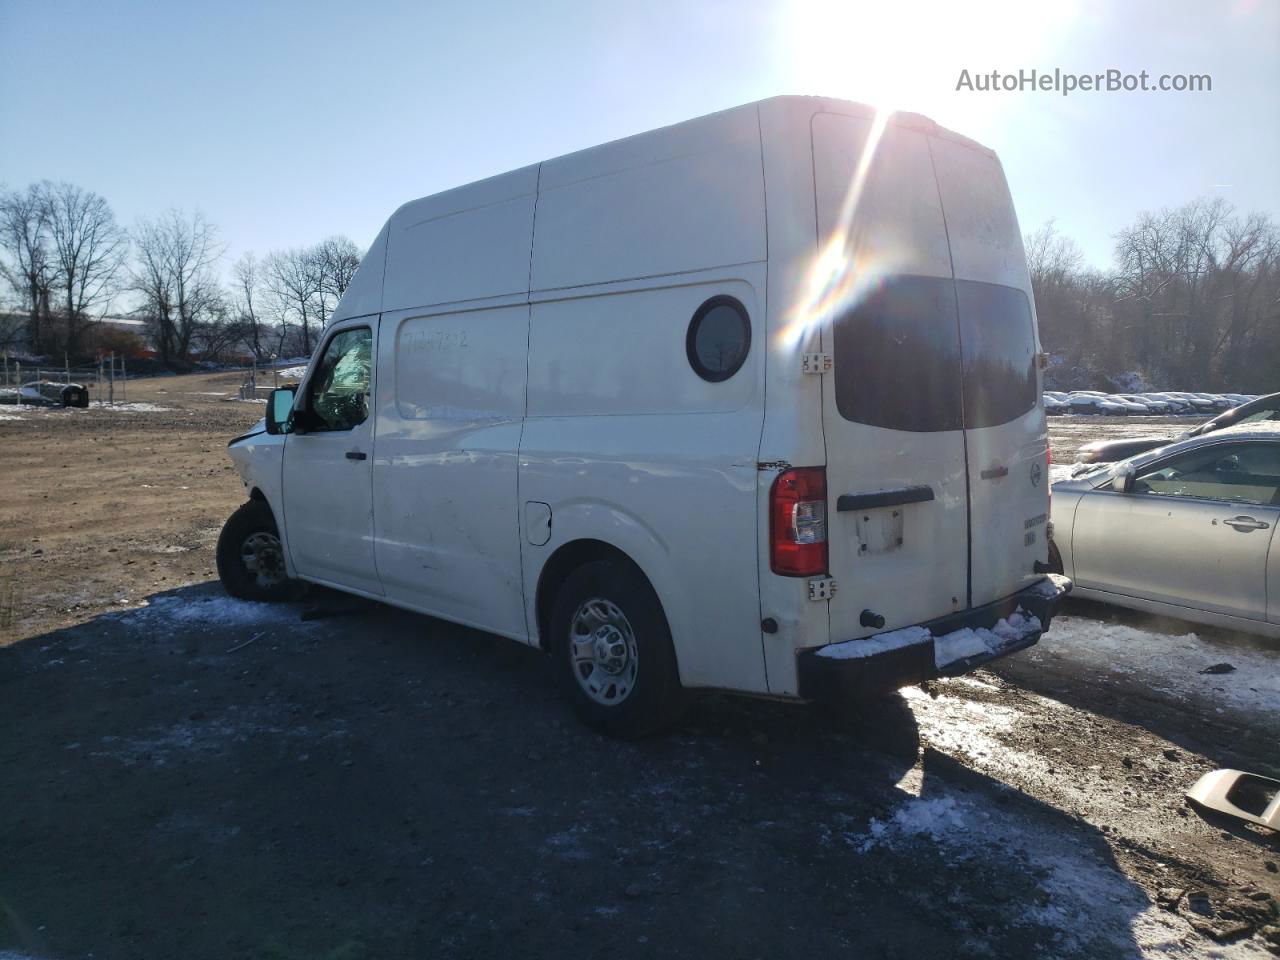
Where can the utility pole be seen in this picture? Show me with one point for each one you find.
(111, 379)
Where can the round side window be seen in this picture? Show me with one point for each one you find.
(719, 339)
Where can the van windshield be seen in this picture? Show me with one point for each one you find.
(929, 354)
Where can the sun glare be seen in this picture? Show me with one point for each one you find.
(907, 56)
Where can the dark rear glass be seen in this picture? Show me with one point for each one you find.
(999, 353)
(898, 356)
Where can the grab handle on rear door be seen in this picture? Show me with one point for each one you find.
(356, 455)
(883, 498)
(995, 473)
(1245, 524)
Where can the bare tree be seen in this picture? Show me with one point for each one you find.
(88, 250)
(173, 275)
(335, 262)
(246, 276)
(28, 264)
(294, 284)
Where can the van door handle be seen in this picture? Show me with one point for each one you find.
(1245, 524)
(883, 498)
(356, 455)
(995, 473)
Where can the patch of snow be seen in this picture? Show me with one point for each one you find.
(292, 373)
(219, 611)
(131, 407)
(960, 645)
(871, 646)
(1168, 663)
(971, 642)
(1061, 471)
(9, 416)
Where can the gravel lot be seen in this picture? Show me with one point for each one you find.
(187, 775)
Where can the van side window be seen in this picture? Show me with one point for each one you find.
(1241, 472)
(338, 392)
(719, 339)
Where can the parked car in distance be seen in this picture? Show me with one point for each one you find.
(591, 432)
(1187, 530)
(1259, 410)
(1133, 404)
(48, 393)
(1054, 403)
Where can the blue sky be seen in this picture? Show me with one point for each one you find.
(288, 122)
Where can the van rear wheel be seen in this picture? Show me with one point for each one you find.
(612, 651)
(250, 556)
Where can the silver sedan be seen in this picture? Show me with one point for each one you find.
(1187, 530)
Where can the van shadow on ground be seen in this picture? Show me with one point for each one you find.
(389, 785)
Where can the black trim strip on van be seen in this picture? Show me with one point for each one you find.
(883, 498)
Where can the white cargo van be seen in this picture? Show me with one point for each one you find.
(749, 403)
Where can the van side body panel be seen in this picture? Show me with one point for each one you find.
(679, 199)
(466, 244)
(444, 476)
(622, 439)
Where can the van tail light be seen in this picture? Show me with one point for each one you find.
(798, 522)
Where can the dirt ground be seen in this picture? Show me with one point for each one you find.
(182, 775)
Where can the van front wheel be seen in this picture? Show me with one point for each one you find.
(613, 653)
(250, 556)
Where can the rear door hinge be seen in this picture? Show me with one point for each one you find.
(815, 362)
(822, 588)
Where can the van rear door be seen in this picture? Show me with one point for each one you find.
(897, 511)
(1004, 418)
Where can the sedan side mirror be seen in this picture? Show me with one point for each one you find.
(1122, 478)
(280, 410)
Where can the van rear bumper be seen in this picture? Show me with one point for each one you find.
(878, 664)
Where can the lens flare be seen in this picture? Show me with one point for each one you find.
(840, 276)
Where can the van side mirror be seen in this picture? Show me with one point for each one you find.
(1122, 478)
(280, 410)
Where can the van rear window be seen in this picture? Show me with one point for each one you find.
(897, 357)
(900, 364)
(999, 353)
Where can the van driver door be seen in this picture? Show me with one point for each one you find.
(328, 460)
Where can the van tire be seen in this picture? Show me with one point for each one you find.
(248, 531)
(655, 699)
